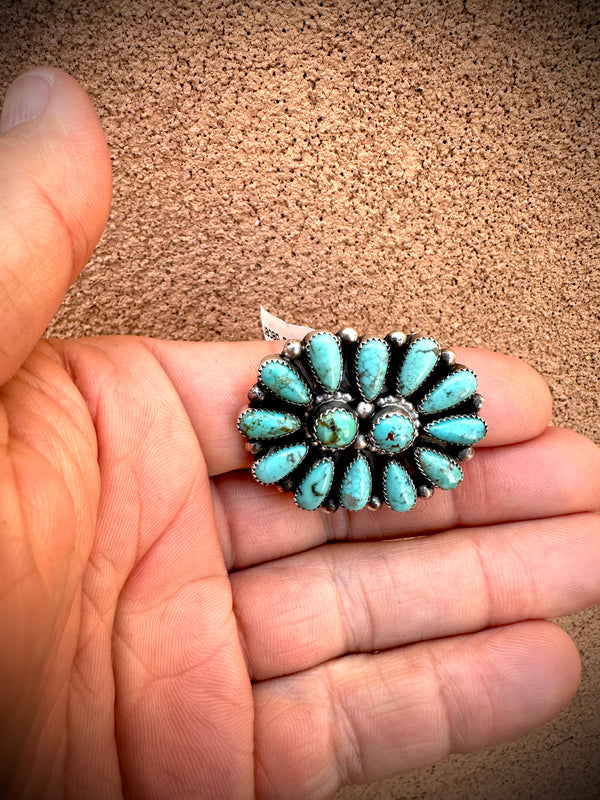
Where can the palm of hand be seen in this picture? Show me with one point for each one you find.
(141, 663)
(117, 522)
(172, 628)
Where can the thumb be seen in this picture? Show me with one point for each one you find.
(54, 200)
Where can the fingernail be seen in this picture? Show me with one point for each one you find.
(25, 99)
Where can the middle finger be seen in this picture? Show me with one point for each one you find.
(556, 473)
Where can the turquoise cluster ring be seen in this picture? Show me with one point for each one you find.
(346, 421)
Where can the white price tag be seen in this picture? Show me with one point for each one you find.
(275, 328)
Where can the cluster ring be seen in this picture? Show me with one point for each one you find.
(343, 420)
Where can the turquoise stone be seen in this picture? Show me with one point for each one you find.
(278, 463)
(372, 360)
(315, 487)
(325, 359)
(355, 490)
(421, 357)
(465, 429)
(393, 433)
(400, 492)
(260, 423)
(455, 388)
(441, 470)
(284, 381)
(336, 428)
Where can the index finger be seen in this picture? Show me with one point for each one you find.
(213, 379)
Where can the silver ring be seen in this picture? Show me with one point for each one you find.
(343, 420)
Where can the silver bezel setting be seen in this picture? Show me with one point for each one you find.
(384, 480)
(282, 360)
(358, 455)
(455, 417)
(390, 409)
(414, 340)
(454, 368)
(304, 475)
(419, 450)
(283, 483)
(245, 410)
(327, 408)
(361, 343)
(306, 345)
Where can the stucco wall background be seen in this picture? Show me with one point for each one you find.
(429, 166)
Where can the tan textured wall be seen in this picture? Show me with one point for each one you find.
(431, 166)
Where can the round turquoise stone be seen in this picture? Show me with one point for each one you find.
(421, 357)
(442, 471)
(400, 492)
(355, 490)
(372, 361)
(455, 388)
(325, 359)
(278, 463)
(336, 428)
(393, 433)
(283, 380)
(315, 487)
(465, 430)
(261, 423)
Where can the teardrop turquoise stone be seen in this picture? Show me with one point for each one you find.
(336, 428)
(400, 492)
(455, 388)
(315, 487)
(372, 360)
(465, 429)
(355, 490)
(442, 471)
(421, 357)
(283, 380)
(393, 433)
(261, 423)
(326, 359)
(278, 463)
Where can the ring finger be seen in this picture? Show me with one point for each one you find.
(303, 610)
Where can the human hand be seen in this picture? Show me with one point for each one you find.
(169, 628)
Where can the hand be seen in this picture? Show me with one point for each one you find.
(168, 627)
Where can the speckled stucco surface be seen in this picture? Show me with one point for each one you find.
(429, 166)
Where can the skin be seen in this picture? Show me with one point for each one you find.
(171, 629)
